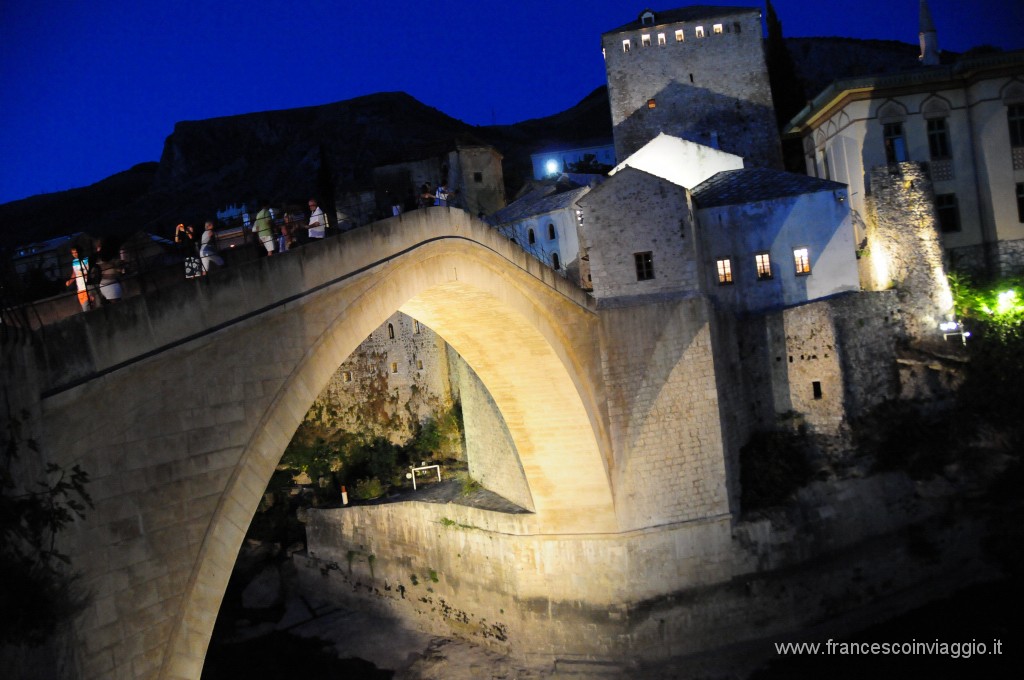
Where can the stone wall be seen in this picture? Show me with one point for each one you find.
(396, 379)
(490, 451)
(1005, 258)
(621, 598)
(906, 250)
(712, 90)
(663, 412)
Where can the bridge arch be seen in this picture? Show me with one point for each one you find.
(263, 345)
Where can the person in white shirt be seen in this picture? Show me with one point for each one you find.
(317, 221)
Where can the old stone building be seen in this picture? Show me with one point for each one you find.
(698, 73)
(964, 121)
(469, 169)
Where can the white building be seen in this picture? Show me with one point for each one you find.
(964, 120)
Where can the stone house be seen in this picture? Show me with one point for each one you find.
(543, 220)
(470, 169)
(698, 73)
(771, 239)
(964, 121)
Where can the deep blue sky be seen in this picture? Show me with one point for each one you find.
(92, 87)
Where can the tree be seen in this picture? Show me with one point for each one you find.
(37, 590)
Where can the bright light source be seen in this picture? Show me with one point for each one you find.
(1006, 301)
(551, 166)
(947, 326)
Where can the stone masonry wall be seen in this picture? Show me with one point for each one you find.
(906, 249)
(389, 384)
(712, 90)
(663, 411)
(491, 453)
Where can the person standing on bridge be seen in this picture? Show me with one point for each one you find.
(263, 227)
(317, 220)
(208, 252)
(80, 277)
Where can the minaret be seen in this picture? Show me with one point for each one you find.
(928, 37)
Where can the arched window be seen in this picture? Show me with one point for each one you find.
(531, 237)
(391, 332)
(554, 261)
(551, 232)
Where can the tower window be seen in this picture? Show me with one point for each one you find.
(948, 213)
(679, 35)
(645, 40)
(700, 32)
(717, 29)
(895, 145)
(394, 367)
(938, 139)
(625, 45)
(551, 232)
(764, 266)
(531, 237)
(816, 389)
(724, 267)
(644, 266)
(661, 40)
(736, 26)
(346, 376)
(1015, 118)
(478, 177)
(652, 104)
(419, 364)
(415, 326)
(802, 261)
(555, 264)
(391, 332)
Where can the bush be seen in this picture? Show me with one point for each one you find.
(368, 489)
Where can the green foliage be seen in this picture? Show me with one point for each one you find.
(37, 591)
(773, 465)
(994, 315)
(468, 485)
(368, 489)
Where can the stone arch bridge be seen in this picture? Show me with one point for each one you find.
(179, 405)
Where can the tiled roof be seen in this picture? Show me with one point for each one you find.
(748, 185)
(542, 200)
(692, 13)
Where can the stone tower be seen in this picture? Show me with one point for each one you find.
(698, 73)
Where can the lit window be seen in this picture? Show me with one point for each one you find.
(551, 232)
(645, 40)
(948, 213)
(700, 31)
(802, 261)
(679, 35)
(391, 332)
(652, 104)
(644, 266)
(1015, 117)
(1020, 202)
(415, 326)
(661, 40)
(764, 266)
(724, 271)
(895, 145)
(625, 45)
(717, 29)
(394, 367)
(531, 237)
(555, 264)
(938, 139)
(346, 376)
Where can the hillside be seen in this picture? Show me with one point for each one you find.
(288, 155)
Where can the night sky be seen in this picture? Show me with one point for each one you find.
(95, 88)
